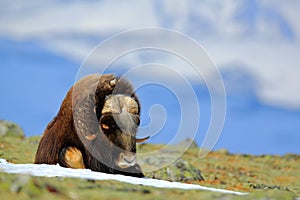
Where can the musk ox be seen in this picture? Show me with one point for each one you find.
(95, 128)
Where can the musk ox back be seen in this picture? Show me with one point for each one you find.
(95, 128)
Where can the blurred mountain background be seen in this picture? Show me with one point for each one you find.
(254, 44)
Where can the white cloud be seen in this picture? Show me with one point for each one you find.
(275, 66)
(73, 28)
(45, 19)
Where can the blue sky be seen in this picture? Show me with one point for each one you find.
(255, 45)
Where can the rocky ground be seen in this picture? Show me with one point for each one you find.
(264, 177)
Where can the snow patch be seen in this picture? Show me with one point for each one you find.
(58, 171)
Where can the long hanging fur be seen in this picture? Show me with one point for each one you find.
(83, 104)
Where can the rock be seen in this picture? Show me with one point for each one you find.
(223, 151)
(180, 170)
(8, 128)
(19, 182)
(269, 187)
(188, 142)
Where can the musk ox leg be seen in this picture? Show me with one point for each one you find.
(71, 157)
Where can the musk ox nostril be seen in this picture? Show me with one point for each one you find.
(129, 158)
(126, 160)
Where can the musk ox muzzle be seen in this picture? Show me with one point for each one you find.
(126, 160)
(119, 121)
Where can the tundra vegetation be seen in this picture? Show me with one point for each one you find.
(264, 176)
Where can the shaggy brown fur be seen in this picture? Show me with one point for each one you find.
(64, 141)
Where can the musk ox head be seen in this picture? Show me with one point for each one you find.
(119, 121)
(107, 124)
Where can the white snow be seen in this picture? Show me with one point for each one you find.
(57, 171)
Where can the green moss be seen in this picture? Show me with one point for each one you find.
(18, 150)
(265, 177)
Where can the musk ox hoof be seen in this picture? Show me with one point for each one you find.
(71, 157)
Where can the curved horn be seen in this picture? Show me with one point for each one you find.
(83, 105)
(139, 140)
(91, 137)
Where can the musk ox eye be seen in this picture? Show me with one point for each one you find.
(104, 126)
(107, 122)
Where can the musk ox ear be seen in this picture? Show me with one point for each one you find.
(140, 140)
